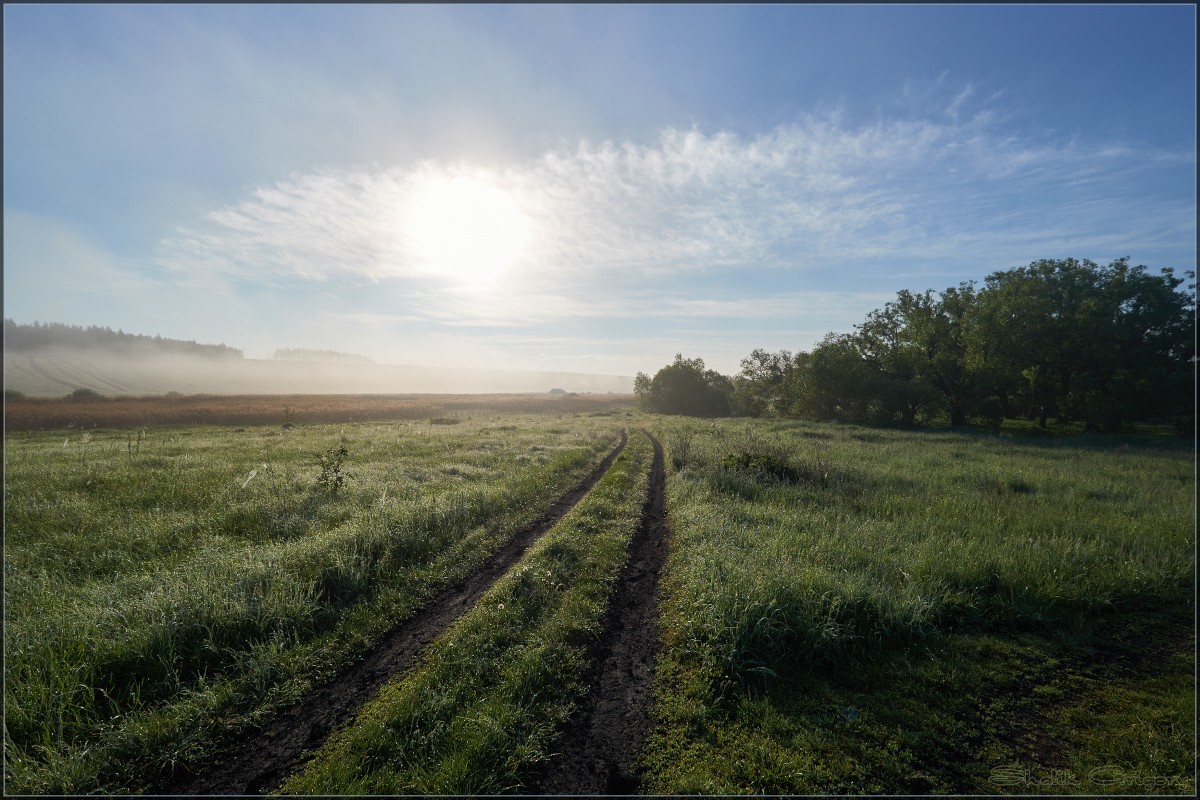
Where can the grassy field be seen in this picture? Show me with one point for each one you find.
(165, 588)
(845, 610)
(857, 610)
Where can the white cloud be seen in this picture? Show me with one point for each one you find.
(609, 218)
(515, 309)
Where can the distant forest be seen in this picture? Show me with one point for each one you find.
(1062, 339)
(41, 337)
(308, 354)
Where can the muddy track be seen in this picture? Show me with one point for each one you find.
(598, 748)
(261, 762)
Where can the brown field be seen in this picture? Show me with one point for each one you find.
(205, 409)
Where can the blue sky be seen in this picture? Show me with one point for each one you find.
(575, 188)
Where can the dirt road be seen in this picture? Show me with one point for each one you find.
(597, 751)
(262, 761)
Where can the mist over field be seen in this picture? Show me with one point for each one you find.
(57, 373)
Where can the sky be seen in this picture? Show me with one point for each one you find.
(575, 188)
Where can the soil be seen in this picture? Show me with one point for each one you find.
(598, 749)
(263, 760)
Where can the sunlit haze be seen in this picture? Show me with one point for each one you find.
(465, 229)
(585, 189)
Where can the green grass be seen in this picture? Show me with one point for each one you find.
(839, 596)
(846, 610)
(481, 709)
(163, 591)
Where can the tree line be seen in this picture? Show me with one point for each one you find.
(1062, 339)
(41, 337)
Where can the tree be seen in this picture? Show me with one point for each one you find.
(937, 327)
(758, 390)
(40, 337)
(834, 381)
(901, 390)
(641, 388)
(1048, 326)
(1107, 345)
(1139, 366)
(684, 387)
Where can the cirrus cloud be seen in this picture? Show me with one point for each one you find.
(814, 193)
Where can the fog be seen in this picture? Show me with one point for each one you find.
(57, 373)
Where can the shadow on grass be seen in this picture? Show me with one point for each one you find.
(996, 712)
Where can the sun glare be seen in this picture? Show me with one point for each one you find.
(465, 229)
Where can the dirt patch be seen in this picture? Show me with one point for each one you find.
(598, 748)
(264, 759)
(1138, 643)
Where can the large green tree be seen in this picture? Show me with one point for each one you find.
(1107, 345)
(912, 345)
(834, 382)
(759, 390)
(684, 387)
(937, 326)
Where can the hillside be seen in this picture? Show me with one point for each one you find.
(54, 374)
(48, 337)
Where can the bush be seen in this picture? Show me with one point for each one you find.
(85, 396)
(333, 474)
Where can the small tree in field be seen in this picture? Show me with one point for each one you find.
(333, 472)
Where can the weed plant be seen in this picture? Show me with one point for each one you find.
(158, 601)
(807, 553)
(481, 709)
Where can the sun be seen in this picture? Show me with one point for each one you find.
(465, 229)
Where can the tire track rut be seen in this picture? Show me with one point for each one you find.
(601, 742)
(261, 762)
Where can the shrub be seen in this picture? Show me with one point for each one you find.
(333, 474)
(85, 396)
(774, 464)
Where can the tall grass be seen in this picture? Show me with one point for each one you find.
(794, 548)
(158, 600)
(802, 549)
